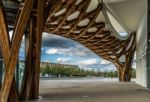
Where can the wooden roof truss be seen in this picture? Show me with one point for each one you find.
(64, 18)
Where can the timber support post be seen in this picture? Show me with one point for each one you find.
(125, 68)
(1, 68)
(13, 49)
(5, 49)
(33, 39)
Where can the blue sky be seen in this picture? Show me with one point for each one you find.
(58, 49)
(62, 50)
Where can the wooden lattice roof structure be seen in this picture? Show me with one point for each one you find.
(79, 23)
(79, 20)
(75, 20)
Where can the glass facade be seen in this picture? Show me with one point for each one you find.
(18, 72)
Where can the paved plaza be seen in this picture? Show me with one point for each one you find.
(91, 90)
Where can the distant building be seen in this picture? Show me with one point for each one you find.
(58, 65)
(22, 65)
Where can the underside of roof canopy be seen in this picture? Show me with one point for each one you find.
(104, 26)
(107, 27)
(92, 24)
(96, 24)
(120, 16)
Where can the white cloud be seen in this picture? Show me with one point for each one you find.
(52, 51)
(66, 51)
(88, 62)
(62, 60)
(72, 52)
(104, 62)
(80, 53)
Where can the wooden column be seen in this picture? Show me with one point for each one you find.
(1, 67)
(5, 48)
(28, 73)
(125, 68)
(30, 84)
(39, 31)
(14, 49)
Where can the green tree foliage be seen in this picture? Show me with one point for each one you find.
(133, 73)
(60, 71)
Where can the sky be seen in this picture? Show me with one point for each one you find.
(61, 50)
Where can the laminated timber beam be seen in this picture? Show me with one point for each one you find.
(38, 39)
(1, 66)
(124, 69)
(30, 83)
(5, 50)
(92, 20)
(28, 73)
(15, 46)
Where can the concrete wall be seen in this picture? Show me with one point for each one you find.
(148, 46)
(141, 55)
